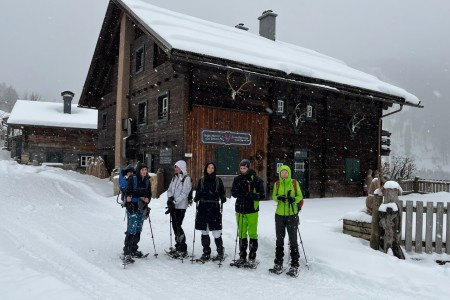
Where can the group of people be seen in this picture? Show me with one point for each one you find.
(247, 188)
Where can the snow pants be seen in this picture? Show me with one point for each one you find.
(289, 224)
(134, 228)
(177, 216)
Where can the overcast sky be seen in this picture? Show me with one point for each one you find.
(47, 45)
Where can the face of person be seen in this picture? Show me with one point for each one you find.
(243, 169)
(143, 172)
(284, 174)
(129, 173)
(177, 170)
(210, 169)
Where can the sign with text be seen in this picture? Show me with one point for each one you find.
(165, 156)
(218, 137)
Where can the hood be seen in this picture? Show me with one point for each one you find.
(284, 167)
(205, 173)
(182, 165)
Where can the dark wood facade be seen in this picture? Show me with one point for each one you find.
(68, 146)
(312, 133)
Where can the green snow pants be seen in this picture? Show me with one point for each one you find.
(247, 223)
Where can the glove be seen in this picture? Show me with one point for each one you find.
(190, 202)
(170, 200)
(281, 198)
(224, 200)
(291, 200)
(254, 197)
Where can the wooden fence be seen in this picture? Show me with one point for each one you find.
(428, 234)
(423, 186)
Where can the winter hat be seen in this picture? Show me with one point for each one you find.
(128, 168)
(245, 162)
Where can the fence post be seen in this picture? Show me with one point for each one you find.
(416, 184)
(375, 235)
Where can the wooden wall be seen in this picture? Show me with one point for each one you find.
(229, 120)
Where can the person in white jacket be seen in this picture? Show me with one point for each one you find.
(177, 202)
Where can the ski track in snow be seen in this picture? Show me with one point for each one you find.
(62, 234)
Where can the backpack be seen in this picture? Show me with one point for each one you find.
(190, 192)
(294, 183)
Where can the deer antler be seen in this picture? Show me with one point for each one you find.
(355, 122)
(237, 91)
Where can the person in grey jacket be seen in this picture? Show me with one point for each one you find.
(177, 203)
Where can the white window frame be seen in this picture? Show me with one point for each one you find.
(309, 111)
(280, 106)
(278, 167)
(84, 160)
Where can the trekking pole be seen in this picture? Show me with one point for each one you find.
(151, 230)
(170, 228)
(241, 217)
(300, 236)
(301, 242)
(193, 242)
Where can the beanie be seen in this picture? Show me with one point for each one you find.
(246, 163)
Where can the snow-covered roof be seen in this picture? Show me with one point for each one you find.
(52, 114)
(186, 33)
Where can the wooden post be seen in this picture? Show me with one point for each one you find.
(123, 86)
(419, 226)
(375, 236)
(416, 184)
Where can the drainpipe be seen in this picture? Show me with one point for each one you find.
(380, 126)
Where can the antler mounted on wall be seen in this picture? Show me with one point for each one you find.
(234, 91)
(354, 124)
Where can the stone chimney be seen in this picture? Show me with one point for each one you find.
(267, 25)
(67, 98)
(241, 26)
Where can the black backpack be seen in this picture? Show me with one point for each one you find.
(190, 192)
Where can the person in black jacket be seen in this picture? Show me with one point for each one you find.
(248, 189)
(139, 194)
(210, 196)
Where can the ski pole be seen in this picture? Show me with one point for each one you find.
(240, 221)
(300, 236)
(170, 228)
(193, 242)
(151, 230)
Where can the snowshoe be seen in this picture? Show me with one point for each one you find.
(126, 260)
(176, 254)
(277, 269)
(252, 264)
(219, 257)
(293, 272)
(205, 258)
(138, 254)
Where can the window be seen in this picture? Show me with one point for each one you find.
(279, 166)
(159, 57)
(140, 57)
(142, 113)
(352, 172)
(104, 121)
(309, 111)
(163, 106)
(84, 160)
(280, 106)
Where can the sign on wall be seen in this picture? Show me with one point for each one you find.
(218, 137)
(165, 156)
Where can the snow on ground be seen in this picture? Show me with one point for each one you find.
(62, 232)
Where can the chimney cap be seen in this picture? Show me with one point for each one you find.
(266, 13)
(67, 93)
(241, 26)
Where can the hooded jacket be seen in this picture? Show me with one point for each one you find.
(248, 189)
(180, 186)
(138, 186)
(286, 188)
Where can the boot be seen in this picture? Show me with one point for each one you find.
(253, 248)
(206, 241)
(243, 244)
(220, 249)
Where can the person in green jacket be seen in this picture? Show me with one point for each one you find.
(287, 197)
